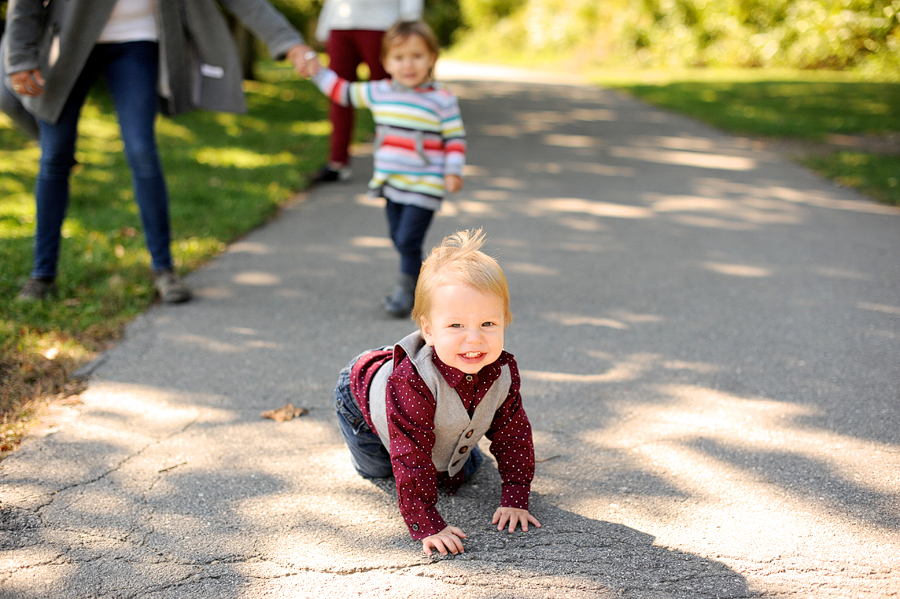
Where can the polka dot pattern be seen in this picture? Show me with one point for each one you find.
(411, 413)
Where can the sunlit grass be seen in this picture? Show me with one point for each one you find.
(788, 104)
(227, 174)
(872, 174)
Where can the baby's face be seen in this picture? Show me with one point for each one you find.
(465, 327)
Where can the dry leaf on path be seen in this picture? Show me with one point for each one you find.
(284, 413)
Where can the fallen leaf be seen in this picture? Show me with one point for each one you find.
(284, 413)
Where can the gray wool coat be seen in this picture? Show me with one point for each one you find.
(199, 64)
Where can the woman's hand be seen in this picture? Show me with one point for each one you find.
(304, 59)
(27, 83)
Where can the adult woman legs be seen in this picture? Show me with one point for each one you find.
(130, 70)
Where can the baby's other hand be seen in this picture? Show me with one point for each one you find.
(449, 539)
(513, 516)
(453, 183)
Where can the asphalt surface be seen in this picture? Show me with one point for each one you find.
(710, 345)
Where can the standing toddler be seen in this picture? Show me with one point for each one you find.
(420, 145)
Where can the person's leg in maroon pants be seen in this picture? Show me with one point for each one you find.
(346, 50)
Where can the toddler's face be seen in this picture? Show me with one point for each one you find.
(410, 61)
(465, 327)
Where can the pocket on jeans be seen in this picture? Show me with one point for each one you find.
(355, 420)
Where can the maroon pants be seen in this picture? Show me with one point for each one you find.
(347, 49)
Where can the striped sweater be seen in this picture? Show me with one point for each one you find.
(419, 136)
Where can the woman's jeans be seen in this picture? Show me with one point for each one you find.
(367, 454)
(130, 70)
(407, 226)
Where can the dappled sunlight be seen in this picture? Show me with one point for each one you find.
(322, 127)
(572, 320)
(749, 210)
(622, 320)
(370, 202)
(371, 242)
(695, 159)
(527, 268)
(510, 131)
(479, 208)
(603, 170)
(587, 226)
(593, 114)
(471, 170)
(539, 208)
(822, 199)
(738, 270)
(249, 247)
(885, 309)
(615, 369)
(257, 279)
(506, 183)
(572, 141)
(726, 452)
(591, 167)
(241, 158)
(173, 129)
(491, 195)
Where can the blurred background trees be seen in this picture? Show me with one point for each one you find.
(807, 34)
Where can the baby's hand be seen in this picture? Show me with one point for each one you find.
(514, 516)
(449, 539)
(453, 183)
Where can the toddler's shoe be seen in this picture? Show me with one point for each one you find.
(400, 303)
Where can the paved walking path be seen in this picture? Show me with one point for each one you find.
(710, 345)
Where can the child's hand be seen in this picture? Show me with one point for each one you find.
(453, 183)
(449, 539)
(514, 516)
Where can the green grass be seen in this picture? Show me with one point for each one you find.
(788, 104)
(227, 174)
(874, 175)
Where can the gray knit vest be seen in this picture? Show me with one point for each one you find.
(456, 434)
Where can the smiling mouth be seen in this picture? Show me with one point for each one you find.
(472, 354)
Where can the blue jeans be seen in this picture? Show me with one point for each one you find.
(408, 226)
(130, 70)
(367, 454)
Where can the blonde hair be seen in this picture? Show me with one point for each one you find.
(400, 31)
(459, 259)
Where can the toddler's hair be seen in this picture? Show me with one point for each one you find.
(402, 30)
(459, 259)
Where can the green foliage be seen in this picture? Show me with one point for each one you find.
(444, 17)
(486, 13)
(303, 14)
(806, 34)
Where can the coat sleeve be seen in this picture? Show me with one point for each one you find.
(24, 27)
(266, 23)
